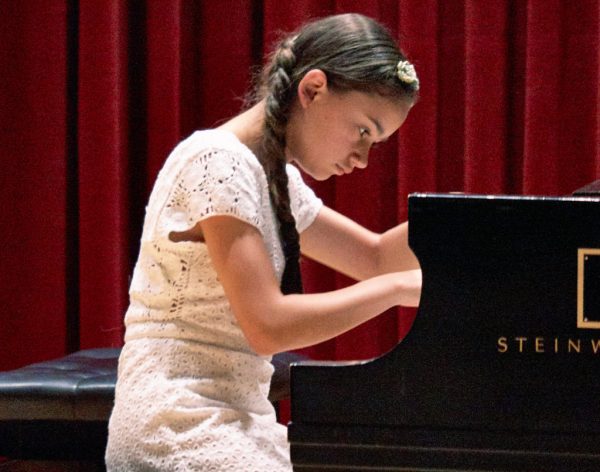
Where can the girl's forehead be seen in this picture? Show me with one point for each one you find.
(385, 114)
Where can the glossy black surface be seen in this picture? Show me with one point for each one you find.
(495, 373)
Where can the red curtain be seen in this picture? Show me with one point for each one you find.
(94, 95)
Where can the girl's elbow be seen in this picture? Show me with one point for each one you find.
(266, 334)
(262, 339)
(263, 345)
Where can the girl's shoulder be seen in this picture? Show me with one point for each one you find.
(218, 143)
(214, 155)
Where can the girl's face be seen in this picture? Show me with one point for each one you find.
(331, 133)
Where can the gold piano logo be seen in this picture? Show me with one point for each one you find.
(547, 345)
(588, 316)
(588, 288)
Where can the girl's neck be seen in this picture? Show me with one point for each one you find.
(248, 126)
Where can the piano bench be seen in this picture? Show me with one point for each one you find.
(58, 410)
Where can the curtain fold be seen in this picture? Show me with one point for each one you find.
(106, 129)
(95, 94)
(543, 60)
(33, 181)
(486, 38)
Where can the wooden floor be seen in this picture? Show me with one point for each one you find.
(49, 466)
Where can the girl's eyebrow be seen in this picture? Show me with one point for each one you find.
(377, 124)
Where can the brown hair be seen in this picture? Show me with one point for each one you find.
(357, 54)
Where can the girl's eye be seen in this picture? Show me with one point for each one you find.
(363, 132)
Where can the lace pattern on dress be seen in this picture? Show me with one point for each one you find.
(191, 394)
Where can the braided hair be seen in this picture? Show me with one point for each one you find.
(357, 54)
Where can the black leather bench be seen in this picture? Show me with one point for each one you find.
(59, 409)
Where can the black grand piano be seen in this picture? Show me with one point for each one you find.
(501, 369)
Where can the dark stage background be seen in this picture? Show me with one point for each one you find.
(95, 93)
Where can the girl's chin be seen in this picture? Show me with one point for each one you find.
(316, 174)
(319, 176)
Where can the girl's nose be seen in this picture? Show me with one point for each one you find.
(360, 160)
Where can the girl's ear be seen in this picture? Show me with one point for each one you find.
(311, 87)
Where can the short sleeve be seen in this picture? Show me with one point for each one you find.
(216, 182)
(305, 204)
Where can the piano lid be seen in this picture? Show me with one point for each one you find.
(507, 335)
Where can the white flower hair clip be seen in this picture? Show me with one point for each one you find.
(407, 74)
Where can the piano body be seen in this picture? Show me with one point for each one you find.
(501, 368)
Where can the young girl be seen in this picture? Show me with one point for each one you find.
(216, 290)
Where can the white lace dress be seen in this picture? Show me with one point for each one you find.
(191, 394)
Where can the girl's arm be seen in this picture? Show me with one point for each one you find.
(338, 242)
(273, 322)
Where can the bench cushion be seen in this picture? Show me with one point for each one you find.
(80, 387)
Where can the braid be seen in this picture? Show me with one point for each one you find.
(356, 54)
(272, 158)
